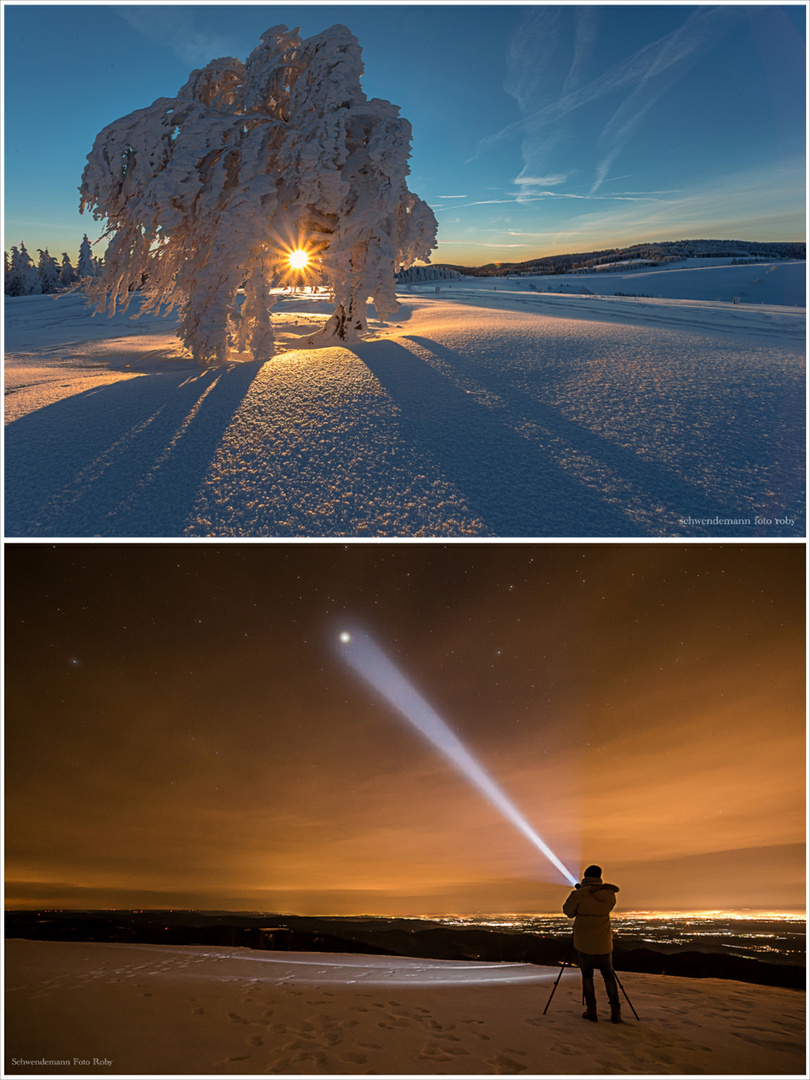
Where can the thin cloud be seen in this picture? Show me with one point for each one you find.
(584, 44)
(675, 54)
(175, 29)
(541, 181)
(534, 235)
(627, 73)
(522, 197)
(643, 78)
(726, 208)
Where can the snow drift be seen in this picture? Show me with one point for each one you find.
(141, 1010)
(481, 413)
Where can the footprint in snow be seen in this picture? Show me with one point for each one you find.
(502, 1064)
(434, 1052)
(354, 1057)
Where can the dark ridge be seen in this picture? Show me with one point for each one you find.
(710, 965)
(649, 254)
(416, 938)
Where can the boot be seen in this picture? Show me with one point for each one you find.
(616, 1014)
(590, 1014)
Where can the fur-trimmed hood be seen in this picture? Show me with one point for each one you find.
(589, 905)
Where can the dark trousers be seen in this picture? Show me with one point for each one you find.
(588, 962)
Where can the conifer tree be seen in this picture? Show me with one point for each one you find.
(48, 272)
(86, 267)
(23, 279)
(67, 273)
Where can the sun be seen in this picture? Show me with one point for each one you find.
(298, 259)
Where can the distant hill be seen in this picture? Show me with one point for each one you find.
(384, 937)
(648, 254)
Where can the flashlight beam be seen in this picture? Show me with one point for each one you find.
(371, 663)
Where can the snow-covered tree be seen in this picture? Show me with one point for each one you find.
(23, 279)
(213, 189)
(427, 273)
(48, 272)
(67, 274)
(87, 264)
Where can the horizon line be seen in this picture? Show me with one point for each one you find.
(609, 249)
(797, 912)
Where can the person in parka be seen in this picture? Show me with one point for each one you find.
(589, 905)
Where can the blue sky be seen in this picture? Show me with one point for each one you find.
(536, 128)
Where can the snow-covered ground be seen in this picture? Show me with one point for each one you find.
(144, 1009)
(780, 283)
(488, 408)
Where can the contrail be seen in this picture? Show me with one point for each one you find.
(371, 663)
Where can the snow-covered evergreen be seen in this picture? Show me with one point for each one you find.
(87, 264)
(427, 273)
(212, 188)
(67, 273)
(48, 272)
(22, 278)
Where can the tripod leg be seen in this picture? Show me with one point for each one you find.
(562, 969)
(629, 1002)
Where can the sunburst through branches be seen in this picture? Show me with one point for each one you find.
(298, 259)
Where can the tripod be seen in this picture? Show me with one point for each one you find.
(562, 969)
(629, 1002)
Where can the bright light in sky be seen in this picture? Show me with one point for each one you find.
(371, 663)
(298, 259)
(643, 704)
(345, 637)
(590, 130)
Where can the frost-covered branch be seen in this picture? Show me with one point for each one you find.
(202, 194)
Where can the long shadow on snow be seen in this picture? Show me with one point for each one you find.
(124, 460)
(520, 490)
(661, 485)
(513, 486)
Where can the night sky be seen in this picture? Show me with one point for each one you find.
(182, 732)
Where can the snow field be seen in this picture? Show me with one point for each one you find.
(475, 413)
(188, 1010)
(716, 280)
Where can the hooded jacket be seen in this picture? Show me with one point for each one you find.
(589, 905)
